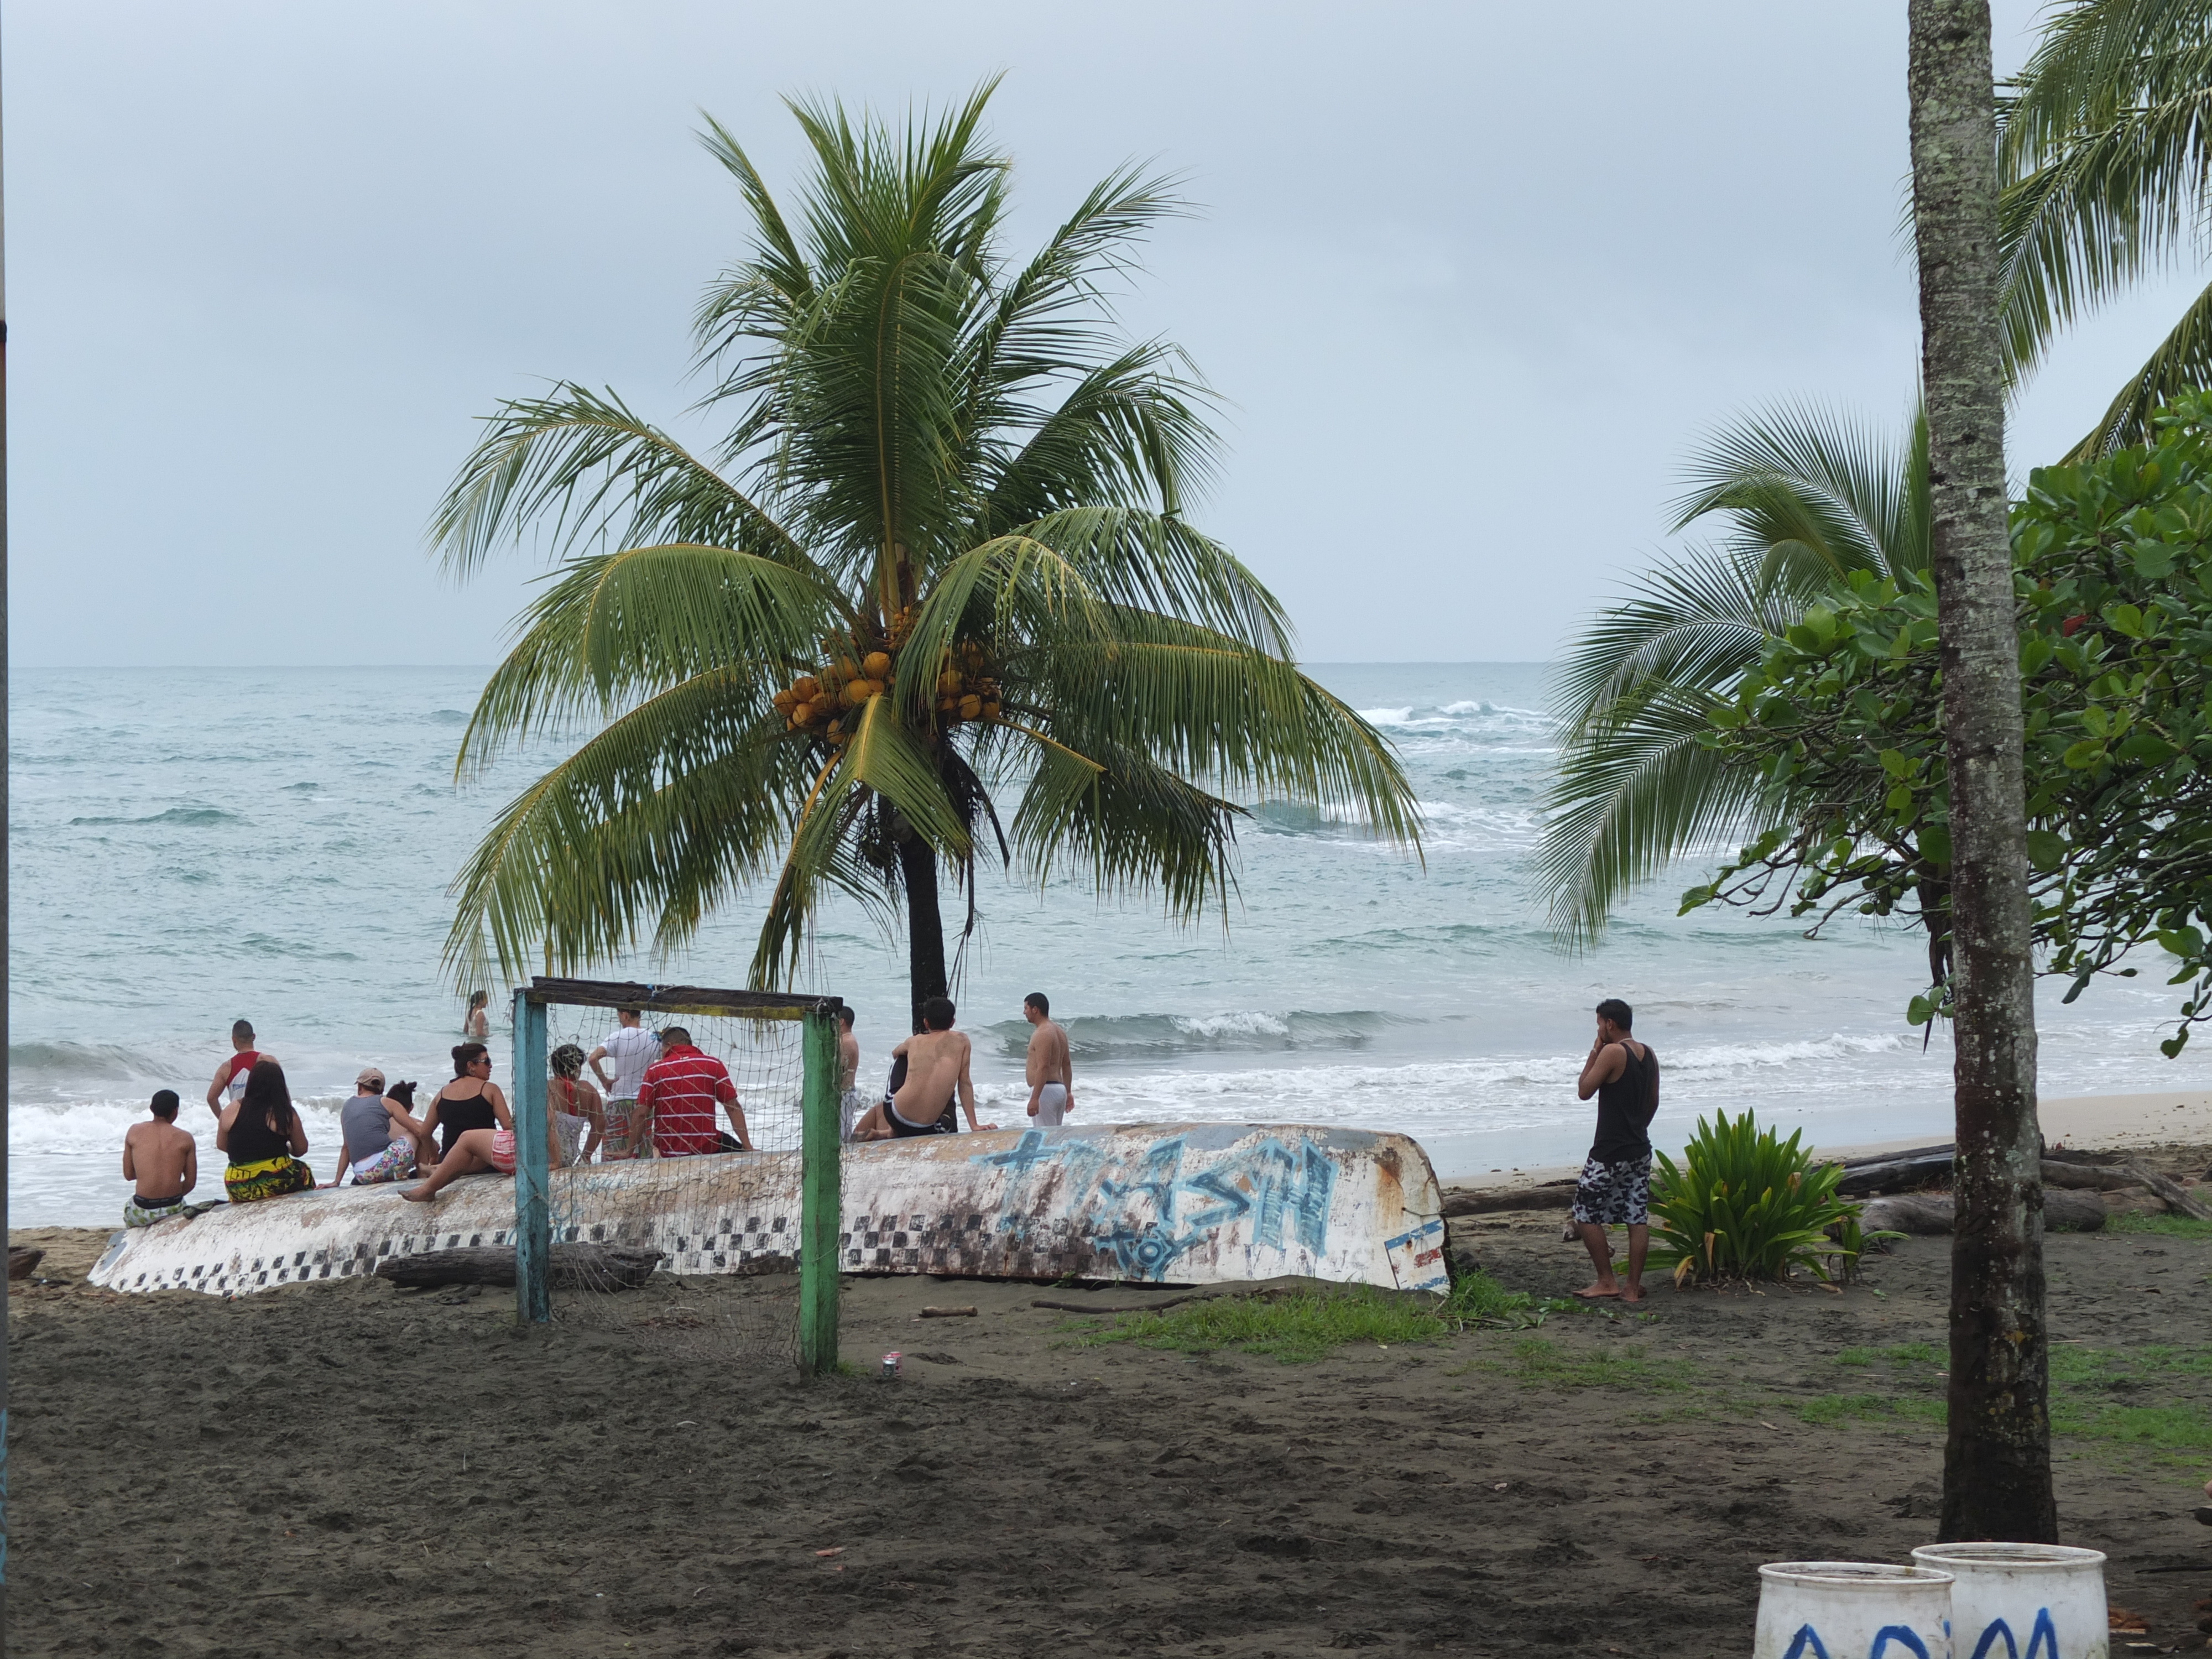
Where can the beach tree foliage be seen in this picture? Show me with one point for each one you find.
(1841, 724)
(2105, 151)
(932, 594)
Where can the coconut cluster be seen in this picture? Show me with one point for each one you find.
(828, 701)
(966, 689)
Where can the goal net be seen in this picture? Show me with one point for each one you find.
(673, 1122)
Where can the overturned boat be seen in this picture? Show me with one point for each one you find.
(1180, 1203)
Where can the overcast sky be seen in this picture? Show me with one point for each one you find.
(1472, 278)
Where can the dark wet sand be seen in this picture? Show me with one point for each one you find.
(285, 1475)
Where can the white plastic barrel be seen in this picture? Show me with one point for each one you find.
(2023, 1600)
(1853, 1610)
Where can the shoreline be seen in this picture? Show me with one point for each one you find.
(2102, 1123)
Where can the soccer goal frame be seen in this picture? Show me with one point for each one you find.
(820, 1148)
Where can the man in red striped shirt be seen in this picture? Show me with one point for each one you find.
(676, 1101)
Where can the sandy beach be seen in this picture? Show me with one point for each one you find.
(354, 1469)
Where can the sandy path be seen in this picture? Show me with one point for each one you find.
(285, 1475)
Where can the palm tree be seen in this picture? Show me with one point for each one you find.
(1802, 496)
(2106, 151)
(939, 561)
(1997, 1458)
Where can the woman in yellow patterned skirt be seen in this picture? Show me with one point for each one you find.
(265, 1138)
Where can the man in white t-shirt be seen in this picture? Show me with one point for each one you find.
(632, 1049)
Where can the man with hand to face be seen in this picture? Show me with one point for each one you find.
(1615, 1188)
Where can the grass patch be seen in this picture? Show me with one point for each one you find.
(1307, 1325)
(2161, 1227)
(1536, 1361)
(2183, 1430)
(2092, 1395)
(1901, 1411)
(1901, 1355)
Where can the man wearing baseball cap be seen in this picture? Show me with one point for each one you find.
(382, 1139)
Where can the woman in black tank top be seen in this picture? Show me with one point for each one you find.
(471, 1101)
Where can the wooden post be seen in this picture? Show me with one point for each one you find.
(822, 1200)
(533, 1216)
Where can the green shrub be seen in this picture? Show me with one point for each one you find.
(1744, 1205)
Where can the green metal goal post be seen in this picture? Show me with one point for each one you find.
(820, 1197)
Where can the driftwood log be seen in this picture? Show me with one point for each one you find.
(1930, 1213)
(1891, 1172)
(2116, 1178)
(577, 1266)
(1551, 1195)
(23, 1261)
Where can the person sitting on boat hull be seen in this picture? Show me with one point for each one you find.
(264, 1139)
(676, 1101)
(164, 1163)
(938, 1059)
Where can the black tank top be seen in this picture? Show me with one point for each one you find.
(1624, 1110)
(252, 1140)
(456, 1117)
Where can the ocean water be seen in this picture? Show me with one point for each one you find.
(191, 845)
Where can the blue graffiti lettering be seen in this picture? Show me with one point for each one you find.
(1270, 1181)
(1157, 1181)
(1024, 1156)
(1145, 1253)
(1903, 1635)
(1805, 1637)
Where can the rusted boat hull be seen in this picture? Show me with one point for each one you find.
(1187, 1203)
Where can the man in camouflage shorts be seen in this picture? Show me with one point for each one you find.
(1615, 1188)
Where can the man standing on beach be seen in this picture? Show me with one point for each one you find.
(632, 1049)
(1615, 1188)
(676, 1101)
(937, 1067)
(229, 1086)
(848, 1074)
(1051, 1073)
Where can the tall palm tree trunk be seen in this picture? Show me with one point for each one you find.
(1996, 1464)
(925, 925)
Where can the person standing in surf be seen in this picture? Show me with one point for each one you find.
(1615, 1188)
(848, 1074)
(632, 1049)
(1051, 1073)
(229, 1086)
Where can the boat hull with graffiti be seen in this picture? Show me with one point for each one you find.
(1189, 1203)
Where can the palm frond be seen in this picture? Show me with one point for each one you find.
(2182, 362)
(580, 866)
(1801, 496)
(583, 465)
(611, 627)
(1820, 493)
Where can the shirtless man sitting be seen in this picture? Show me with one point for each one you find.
(936, 1065)
(1051, 1073)
(163, 1163)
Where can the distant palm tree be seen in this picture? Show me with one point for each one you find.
(939, 558)
(2106, 152)
(1802, 496)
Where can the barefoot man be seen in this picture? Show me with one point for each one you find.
(1616, 1182)
(1051, 1075)
(163, 1160)
(937, 1061)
